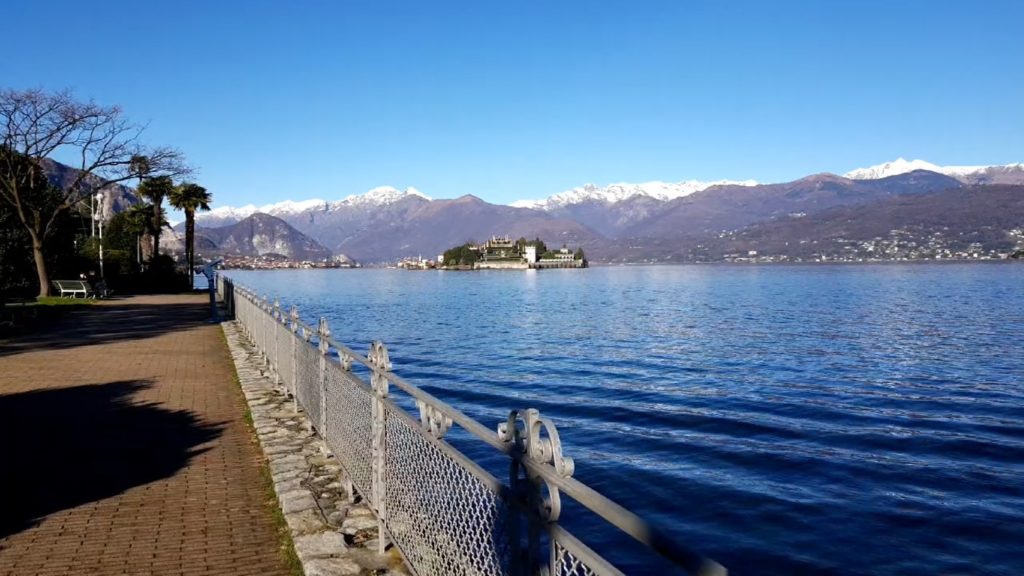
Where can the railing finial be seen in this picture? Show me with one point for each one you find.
(433, 420)
(346, 360)
(378, 358)
(323, 333)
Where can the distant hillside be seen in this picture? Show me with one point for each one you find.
(978, 218)
(117, 197)
(259, 235)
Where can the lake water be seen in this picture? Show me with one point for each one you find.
(783, 420)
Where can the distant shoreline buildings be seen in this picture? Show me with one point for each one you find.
(279, 262)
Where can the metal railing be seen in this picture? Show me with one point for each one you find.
(443, 511)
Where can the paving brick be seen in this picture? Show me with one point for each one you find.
(125, 448)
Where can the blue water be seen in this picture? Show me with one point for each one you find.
(783, 420)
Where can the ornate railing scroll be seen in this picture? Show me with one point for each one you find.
(534, 438)
(443, 511)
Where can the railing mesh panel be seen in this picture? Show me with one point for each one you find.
(349, 418)
(285, 360)
(445, 519)
(264, 329)
(270, 326)
(567, 564)
(307, 385)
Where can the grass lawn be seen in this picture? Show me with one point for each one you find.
(24, 317)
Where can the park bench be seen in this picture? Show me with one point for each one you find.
(74, 288)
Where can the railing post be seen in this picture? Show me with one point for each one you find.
(277, 342)
(323, 332)
(378, 357)
(294, 327)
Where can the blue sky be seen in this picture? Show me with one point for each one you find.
(275, 100)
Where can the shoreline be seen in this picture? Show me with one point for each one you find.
(593, 264)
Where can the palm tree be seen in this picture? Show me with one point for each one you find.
(140, 167)
(155, 189)
(139, 217)
(189, 197)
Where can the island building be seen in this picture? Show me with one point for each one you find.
(419, 263)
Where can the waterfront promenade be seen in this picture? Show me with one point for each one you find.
(124, 449)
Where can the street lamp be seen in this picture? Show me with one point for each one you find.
(99, 218)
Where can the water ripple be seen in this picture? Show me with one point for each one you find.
(842, 420)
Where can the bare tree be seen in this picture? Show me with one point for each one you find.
(35, 127)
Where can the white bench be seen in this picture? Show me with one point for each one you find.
(74, 288)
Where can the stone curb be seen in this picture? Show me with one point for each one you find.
(332, 536)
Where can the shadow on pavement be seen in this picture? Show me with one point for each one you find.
(64, 447)
(110, 322)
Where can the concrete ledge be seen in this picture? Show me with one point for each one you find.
(332, 536)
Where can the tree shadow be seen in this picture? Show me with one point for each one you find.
(64, 447)
(110, 322)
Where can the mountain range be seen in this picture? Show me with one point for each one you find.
(648, 221)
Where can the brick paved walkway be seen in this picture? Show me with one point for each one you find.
(123, 448)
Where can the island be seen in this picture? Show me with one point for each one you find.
(504, 253)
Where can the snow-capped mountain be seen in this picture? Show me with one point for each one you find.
(377, 197)
(380, 196)
(242, 212)
(614, 193)
(1006, 174)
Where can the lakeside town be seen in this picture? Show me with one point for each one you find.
(899, 246)
(280, 262)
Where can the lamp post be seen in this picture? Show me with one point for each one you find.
(99, 218)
